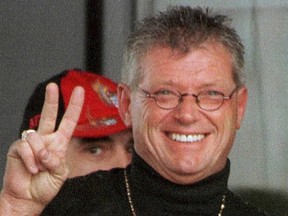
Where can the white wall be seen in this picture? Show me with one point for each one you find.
(38, 39)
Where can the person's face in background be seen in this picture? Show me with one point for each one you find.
(86, 155)
(206, 68)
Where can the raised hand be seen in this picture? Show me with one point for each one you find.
(36, 167)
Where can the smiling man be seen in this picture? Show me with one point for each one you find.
(185, 124)
(184, 96)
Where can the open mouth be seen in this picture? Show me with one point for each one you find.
(186, 138)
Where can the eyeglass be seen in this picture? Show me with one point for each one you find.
(206, 100)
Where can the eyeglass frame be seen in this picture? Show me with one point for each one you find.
(181, 95)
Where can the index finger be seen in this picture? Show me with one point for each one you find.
(49, 110)
(72, 114)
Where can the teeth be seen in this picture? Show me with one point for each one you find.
(187, 138)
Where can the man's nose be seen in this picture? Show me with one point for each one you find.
(188, 109)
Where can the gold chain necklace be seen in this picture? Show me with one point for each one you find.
(222, 206)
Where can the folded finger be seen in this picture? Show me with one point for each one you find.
(55, 164)
(23, 150)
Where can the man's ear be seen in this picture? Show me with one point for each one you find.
(124, 99)
(241, 104)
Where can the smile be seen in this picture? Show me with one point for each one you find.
(187, 138)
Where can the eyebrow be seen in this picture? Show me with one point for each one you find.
(207, 84)
(98, 139)
(87, 141)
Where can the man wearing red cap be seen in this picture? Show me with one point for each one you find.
(100, 141)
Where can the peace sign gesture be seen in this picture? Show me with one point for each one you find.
(36, 167)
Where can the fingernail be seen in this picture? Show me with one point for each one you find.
(34, 169)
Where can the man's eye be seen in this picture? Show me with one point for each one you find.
(130, 149)
(213, 93)
(164, 92)
(95, 150)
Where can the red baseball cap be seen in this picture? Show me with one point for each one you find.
(99, 116)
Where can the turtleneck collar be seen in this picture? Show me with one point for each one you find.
(151, 191)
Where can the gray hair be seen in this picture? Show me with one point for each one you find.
(181, 28)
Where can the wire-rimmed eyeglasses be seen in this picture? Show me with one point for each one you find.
(206, 100)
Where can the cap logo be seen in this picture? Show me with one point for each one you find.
(103, 122)
(97, 123)
(108, 97)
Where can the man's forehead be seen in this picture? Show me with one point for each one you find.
(198, 70)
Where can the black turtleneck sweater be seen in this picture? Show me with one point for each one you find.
(104, 193)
